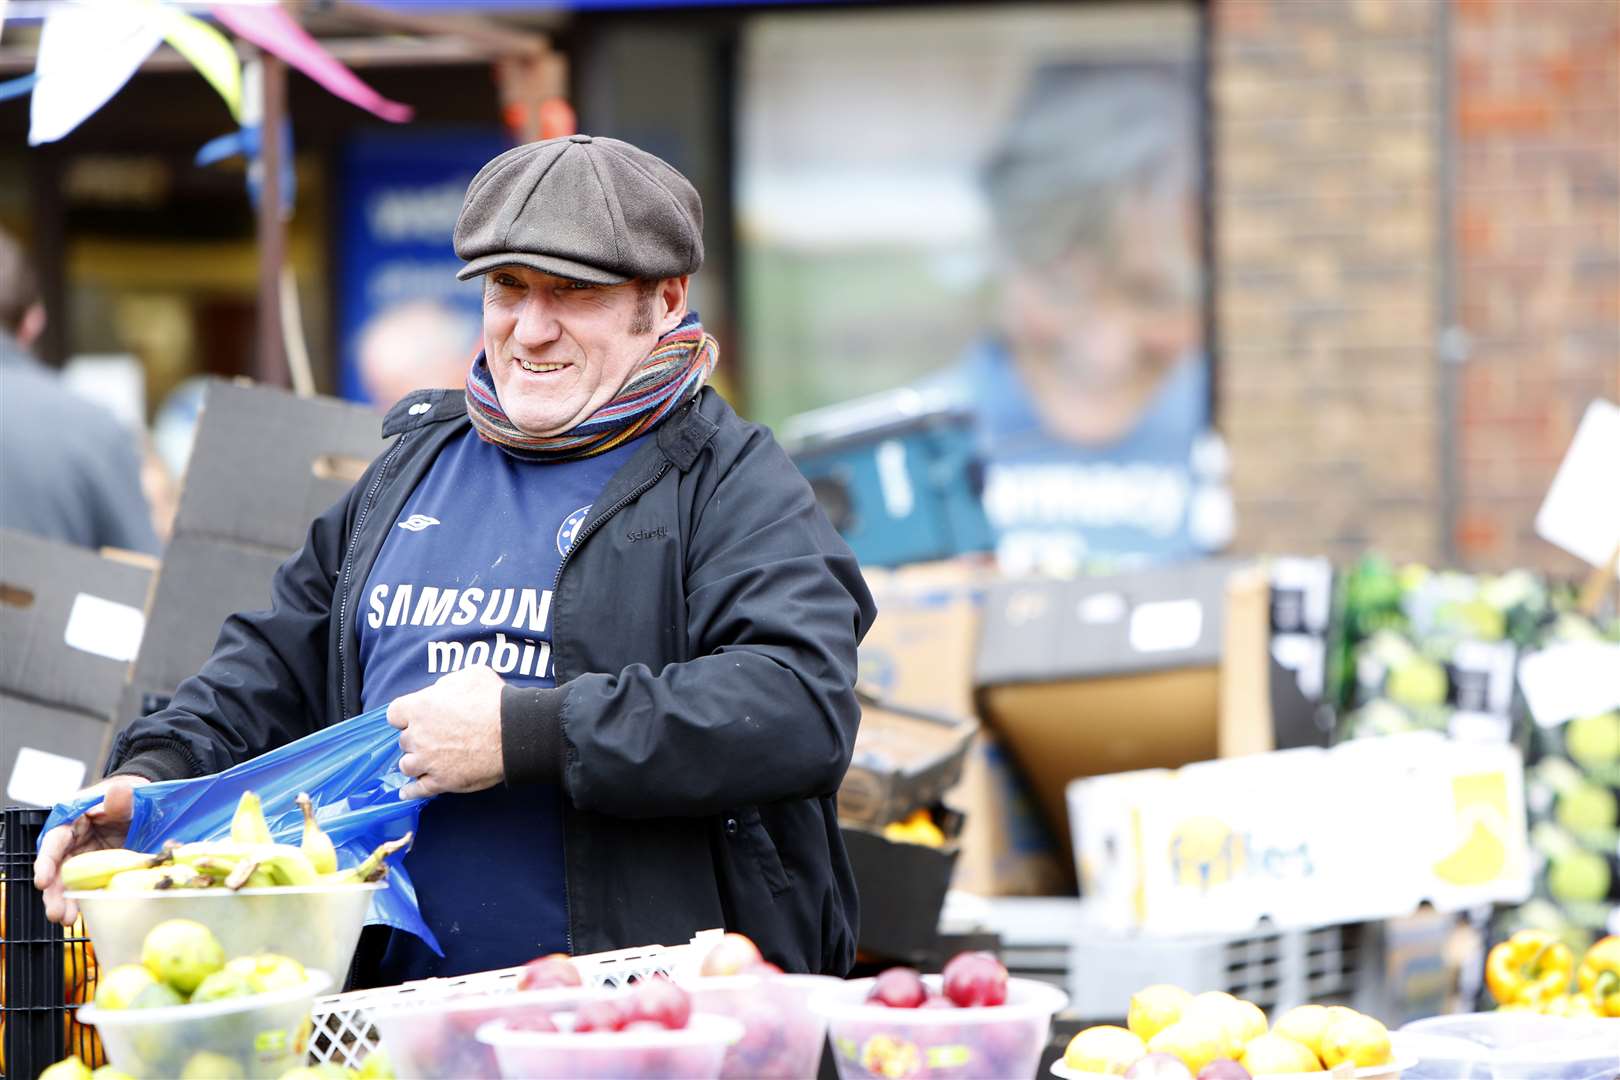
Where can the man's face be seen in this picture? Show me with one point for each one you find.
(1105, 318)
(558, 350)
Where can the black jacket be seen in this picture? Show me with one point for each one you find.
(705, 708)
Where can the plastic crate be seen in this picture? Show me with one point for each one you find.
(1276, 970)
(344, 1035)
(37, 1007)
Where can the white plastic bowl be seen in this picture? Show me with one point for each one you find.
(1511, 1046)
(262, 1036)
(782, 1037)
(694, 1052)
(317, 925)
(432, 1034)
(988, 1043)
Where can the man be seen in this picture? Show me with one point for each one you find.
(1091, 395)
(68, 470)
(618, 635)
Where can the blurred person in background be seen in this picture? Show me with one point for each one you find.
(416, 345)
(68, 470)
(1091, 392)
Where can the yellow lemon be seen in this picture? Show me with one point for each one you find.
(1359, 1040)
(1305, 1024)
(1194, 1040)
(1250, 1020)
(1107, 1049)
(1272, 1054)
(1154, 1008)
(1227, 1013)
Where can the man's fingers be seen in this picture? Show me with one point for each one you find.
(52, 850)
(397, 711)
(55, 902)
(416, 789)
(119, 803)
(410, 765)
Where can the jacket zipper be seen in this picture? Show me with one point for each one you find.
(348, 572)
(636, 493)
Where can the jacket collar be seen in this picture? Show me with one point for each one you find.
(681, 438)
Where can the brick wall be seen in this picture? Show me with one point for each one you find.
(1537, 92)
(1327, 160)
(1330, 216)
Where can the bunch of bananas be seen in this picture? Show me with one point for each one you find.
(249, 859)
(1532, 971)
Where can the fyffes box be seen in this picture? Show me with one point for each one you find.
(1368, 830)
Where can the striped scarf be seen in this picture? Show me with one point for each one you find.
(672, 374)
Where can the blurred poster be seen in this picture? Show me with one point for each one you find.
(1000, 206)
(404, 320)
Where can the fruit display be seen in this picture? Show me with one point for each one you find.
(1171, 1034)
(188, 1010)
(640, 1050)
(649, 1029)
(248, 859)
(432, 1035)
(972, 1020)
(252, 894)
(1572, 794)
(781, 1038)
(1534, 971)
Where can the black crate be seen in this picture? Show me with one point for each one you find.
(39, 962)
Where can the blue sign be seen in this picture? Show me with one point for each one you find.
(400, 192)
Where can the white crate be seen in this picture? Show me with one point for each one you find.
(1275, 969)
(342, 1029)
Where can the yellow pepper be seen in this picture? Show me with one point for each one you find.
(1532, 965)
(1599, 975)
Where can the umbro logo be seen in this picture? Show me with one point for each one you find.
(418, 522)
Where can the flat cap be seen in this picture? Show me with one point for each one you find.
(588, 209)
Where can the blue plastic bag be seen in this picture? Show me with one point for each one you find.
(351, 773)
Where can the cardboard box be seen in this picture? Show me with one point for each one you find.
(903, 760)
(920, 651)
(70, 620)
(202, 582)
(1007, 848)
(1135, 671)
(264, 465)
(1367, 830)
(902, 890)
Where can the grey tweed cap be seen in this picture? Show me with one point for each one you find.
(589, 209)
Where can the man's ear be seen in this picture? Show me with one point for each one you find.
(32, 325)
(672, 302)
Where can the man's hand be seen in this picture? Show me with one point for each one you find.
(103, 826)
(451, 734)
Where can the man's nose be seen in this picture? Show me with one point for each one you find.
(537, 320)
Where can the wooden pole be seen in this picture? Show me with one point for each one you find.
(271, 368)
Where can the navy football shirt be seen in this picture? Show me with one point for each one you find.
(465, 577)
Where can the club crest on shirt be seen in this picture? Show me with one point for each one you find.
(569, 530)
